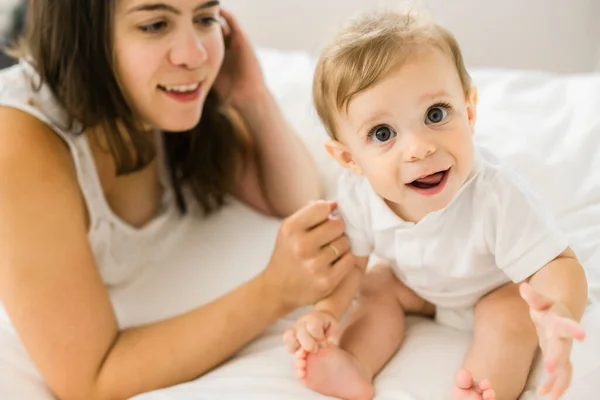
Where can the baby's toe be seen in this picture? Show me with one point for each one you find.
(488, 394)
(464, 379)
(485, 385)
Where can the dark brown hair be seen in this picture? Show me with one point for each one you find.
(70, 44)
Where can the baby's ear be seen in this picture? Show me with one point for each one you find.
(342, 155)
(472, 106)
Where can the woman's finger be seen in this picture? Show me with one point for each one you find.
(341, 268)
(310, 216)
(230, 20)
(333, 251)
(328, 231)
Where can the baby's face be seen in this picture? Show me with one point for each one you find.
(411, 135)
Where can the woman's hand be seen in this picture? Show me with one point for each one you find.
(311, 256)
(240, 79)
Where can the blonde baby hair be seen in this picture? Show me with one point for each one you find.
(370, 47)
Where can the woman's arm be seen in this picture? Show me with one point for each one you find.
(54, 296)
(286, 173)
(282, 176)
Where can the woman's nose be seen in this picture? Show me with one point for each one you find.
(188, 51)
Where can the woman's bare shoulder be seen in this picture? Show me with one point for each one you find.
(26, 141)
(34, 159)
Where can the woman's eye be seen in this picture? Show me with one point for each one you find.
(382, 134)
(436, 114)
(154, 27)
(206, 21)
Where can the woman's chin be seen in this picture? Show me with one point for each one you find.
(178, 125)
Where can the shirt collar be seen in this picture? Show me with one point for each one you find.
(383, 218)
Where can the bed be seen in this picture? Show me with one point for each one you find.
(547, 126)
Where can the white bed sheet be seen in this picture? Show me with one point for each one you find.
(547, 126)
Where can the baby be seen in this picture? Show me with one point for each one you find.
(458, 230)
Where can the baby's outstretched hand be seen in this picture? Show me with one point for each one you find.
(556, 330)
(311, 331)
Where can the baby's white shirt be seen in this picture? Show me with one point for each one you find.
(494, 231)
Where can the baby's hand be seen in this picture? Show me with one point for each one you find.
(311, 331)
(556, 330)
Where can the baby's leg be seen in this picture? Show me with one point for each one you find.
(372, 336)
(504, 345)
(376, 328)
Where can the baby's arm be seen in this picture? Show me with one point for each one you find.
(563, 280)
(524, 236)
(557, 297)
(322, 323)
(338, 302)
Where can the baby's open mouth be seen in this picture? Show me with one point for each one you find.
(429, 181)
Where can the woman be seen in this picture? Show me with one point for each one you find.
(91, 185)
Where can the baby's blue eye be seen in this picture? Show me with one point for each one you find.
(382, 134)
(436, 114)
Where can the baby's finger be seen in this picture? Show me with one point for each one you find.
(307, 342)
(547, 386)
(566, 327)
(291, 343)
(554, 352)
(316, 329)
(563, 379)
(334, 331)
(535, 300)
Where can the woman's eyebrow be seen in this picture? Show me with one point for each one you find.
(166, 7)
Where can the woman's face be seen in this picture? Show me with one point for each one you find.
(167, 54)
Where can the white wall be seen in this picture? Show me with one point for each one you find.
(596, 32)
(556, 35)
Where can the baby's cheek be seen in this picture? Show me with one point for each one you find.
(385, 185)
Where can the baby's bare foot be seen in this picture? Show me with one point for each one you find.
(466, 389)
(334, 372)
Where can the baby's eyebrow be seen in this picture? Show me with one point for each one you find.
(371, 120)
(432, 95)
